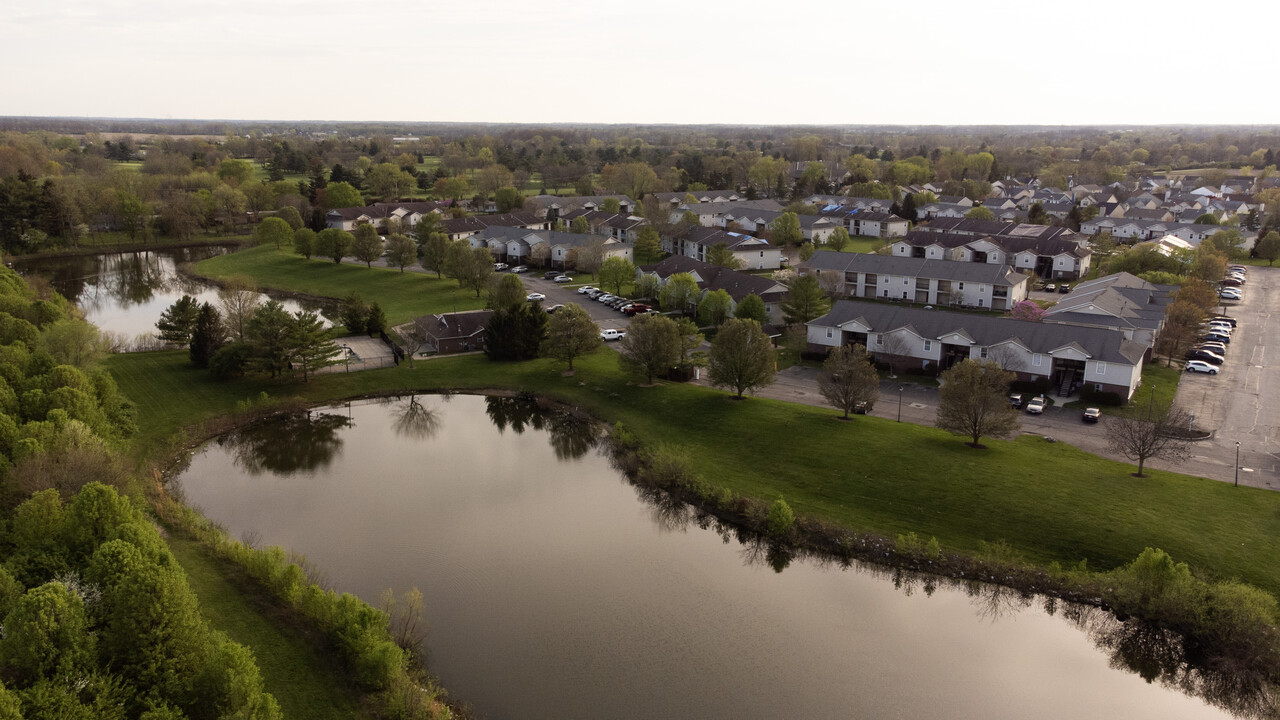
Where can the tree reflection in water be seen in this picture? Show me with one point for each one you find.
(296, 443)
(413, 419)
(571, 436)
(1155, 654)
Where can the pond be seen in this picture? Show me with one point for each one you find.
(554, 588)
(125, 293)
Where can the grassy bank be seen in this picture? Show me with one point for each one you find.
(293, 667)
(402, 296)
(1051, 502)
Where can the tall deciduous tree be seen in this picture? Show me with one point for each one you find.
(616, 272)
(342, 195)
(208, 335)
(177, 322)
(838, 240)
(648, 245)
(678, 293)
(1268, 248)
(304, 242)
(390, 182)
(433, 252)
(571, 333)
(515, 333)
(268, 333)
(367, 246)
(651, 347)
(1153, 432)
(273, 230)
(848, 379)
(590, 257)
(786, 229)
(974, 401)
(290, 215)
(742, 357)
(507, 292)
(714, 308)
(334, 244)
(805, 300)
(471, 267)
(579, 225)
(752, 308)
(980, 213)
(401, 252)
(238, 298)
(720, 254)
(1181, 326)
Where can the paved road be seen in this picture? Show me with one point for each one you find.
(605, 317)
(1242, 402)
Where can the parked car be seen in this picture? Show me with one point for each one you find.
(562, 279)
(1231, 282)
(1091, 415)
(1063, 289)
(1016, 400)
(1230, 293)
(610, 334)
(499, 267)
(550, 274)
(535, 297)
(520, 269)
(605, 298)
(1050, 287)
(1036, 405)
(1216, 348)
(1223, 318)
(1201, 366)
(1222, 328)
(635, 309)
(1216, 337)
(594, 293)
(585, 289)
(555, 307)
(1208, 356)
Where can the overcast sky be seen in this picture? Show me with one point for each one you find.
(686, 61)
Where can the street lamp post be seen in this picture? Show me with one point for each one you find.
(1237, 463)
(900, 389)
(346, 356)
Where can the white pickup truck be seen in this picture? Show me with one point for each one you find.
(611, 334)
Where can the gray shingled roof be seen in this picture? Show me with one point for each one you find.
(1103, 344)
(988, 273)
(714, 277)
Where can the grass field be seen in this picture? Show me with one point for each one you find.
(402, 296)
(1050, 501)
(294, 671)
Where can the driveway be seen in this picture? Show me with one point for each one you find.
(605, 316)
(1242, 402)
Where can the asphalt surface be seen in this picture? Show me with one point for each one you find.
(605, 316)
(1242, 402)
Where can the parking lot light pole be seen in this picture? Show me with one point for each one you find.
(346, 357)
(1237, 463)
(900, 389)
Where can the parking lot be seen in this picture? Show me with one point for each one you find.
(1242, 402)
(605, 317)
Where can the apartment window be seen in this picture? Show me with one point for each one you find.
(905, 281)
(1102, 368)
(828, 332)
(880, 339)
(979, 302)
(1035, 360)
(928, 345)
(961, 286)
(982, 353)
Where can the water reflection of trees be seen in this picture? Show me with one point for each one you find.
(296, 443)
(413, 418)
(571, 436)
(1157, 655)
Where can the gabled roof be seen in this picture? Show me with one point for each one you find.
(708, 236)
(1103, 344)
(989, 273)
(454, 325)
(714, 277)
(1124, 301)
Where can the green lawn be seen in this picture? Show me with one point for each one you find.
(861, 244)
(293, 669)
(402, 295)
(1049, 500)
(1159, 385)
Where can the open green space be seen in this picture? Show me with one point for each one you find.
(1050, 501)
(863, 244)
(293, 669)
(402, 296)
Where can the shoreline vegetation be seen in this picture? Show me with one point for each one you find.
(1217, 640)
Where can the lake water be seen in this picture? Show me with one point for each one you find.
(555, 589)
(125, 293)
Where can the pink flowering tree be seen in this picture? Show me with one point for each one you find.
(1027, 310)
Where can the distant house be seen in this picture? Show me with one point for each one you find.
(552, 207)
(464, 227)
(407, 213)
(714, 277)
(1120, 301)
(1056, 256)
(449, 333)
(1068, 356)
(752, 252)
(516, 245)
(917, 280)
(619, 226)
(674, 199)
